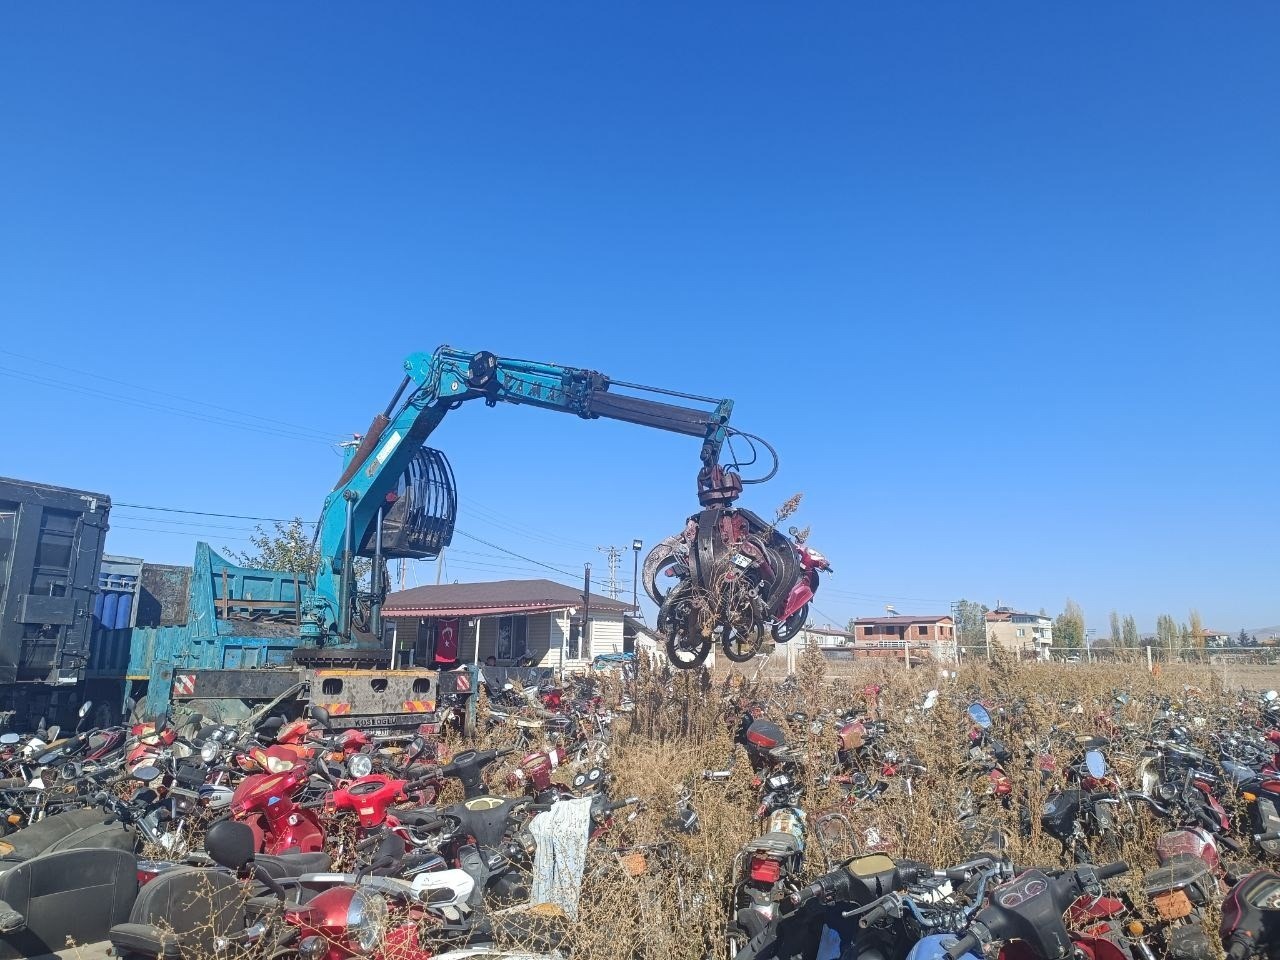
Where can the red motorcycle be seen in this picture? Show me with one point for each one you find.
(795, 612)
(265, 803)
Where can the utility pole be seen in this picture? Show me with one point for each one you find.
(583, 642)
(636, 544)
(614, 555)
(440, 567)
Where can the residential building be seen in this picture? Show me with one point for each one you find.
(823, 637)
(1027, 634)
(507, 620)
(1216, 638)
(896, 632)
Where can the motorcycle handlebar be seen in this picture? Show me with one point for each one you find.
(875, 914)
(969, 943)
(1267, 837)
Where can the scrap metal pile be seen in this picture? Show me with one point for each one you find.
(868, 822)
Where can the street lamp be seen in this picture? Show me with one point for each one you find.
(636, 544)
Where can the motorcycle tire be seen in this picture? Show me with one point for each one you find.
(740, 649)
(683, 651)
(788, 628)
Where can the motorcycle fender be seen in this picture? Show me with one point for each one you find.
(934, 947)
(800, 594)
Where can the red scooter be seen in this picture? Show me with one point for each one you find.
(265, 803)
(796, 610)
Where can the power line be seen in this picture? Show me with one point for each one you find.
(514, 554)
(206, 513)
(319, 434)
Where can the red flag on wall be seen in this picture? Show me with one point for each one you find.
(447, 641)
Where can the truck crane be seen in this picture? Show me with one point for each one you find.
(395, 499)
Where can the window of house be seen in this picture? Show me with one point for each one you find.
(513, 635)
(1021, 631)
(575, 640)
(869, 631)
(922, 630)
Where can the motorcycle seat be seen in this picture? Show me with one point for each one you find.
(287, 866)
(182, 913)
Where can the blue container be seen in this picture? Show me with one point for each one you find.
(123, 609)
(110, 606)
(97, 606)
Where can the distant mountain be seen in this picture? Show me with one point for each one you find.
(1265, 633)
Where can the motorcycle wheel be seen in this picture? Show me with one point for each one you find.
(741, 645)
(788, 628)
(684, 650)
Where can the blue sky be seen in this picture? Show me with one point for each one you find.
(999, 280)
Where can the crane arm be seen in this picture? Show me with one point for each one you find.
(436, 383)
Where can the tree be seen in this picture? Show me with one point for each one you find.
(288, 548)
(1244, 639)
(1068, 628)
(971, 623)
(1117, 634)
(1195, 630)
(1167, 632)
(1130, 632)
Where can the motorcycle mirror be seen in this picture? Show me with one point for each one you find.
(320, 715)
(146, 773)
(930, 700)
(793, 530)
(8, 739)
(272, 723)
(229, 844)
(163, 721)
(85, 708)
(52, 735)
(1095, 763)
(978, 714)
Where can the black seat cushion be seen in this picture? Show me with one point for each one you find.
(196, 904)
(283, 866)
(36, 839)
(76, 895)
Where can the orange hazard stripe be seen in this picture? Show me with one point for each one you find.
(418, 706)
(337, 709)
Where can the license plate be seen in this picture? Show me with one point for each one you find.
(741, 560)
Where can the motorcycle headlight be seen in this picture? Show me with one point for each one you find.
(359, 765)
(209, 752)
(278, 765)
(366, 918)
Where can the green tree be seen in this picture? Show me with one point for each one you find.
(288, 547)
(971, 623)
(1195, 630)
(1130, 633)
(1243, 640)
(1068, 628)
(1117, 633)
(1167, 632)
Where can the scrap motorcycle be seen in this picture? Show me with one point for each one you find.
(731, 576)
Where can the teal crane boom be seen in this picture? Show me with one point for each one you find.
(395, 497)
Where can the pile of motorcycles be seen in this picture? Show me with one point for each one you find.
(724, 580)
(288, 839)
(1210, 815)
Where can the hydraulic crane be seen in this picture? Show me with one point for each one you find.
(396, 497)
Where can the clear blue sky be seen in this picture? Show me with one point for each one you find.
(1000, 280)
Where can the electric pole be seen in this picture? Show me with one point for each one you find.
(614, 555)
